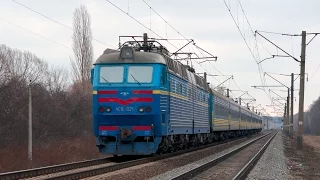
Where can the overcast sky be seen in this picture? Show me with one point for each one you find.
(209, 23)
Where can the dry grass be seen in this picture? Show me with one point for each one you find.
(313, 141)
(15, 157)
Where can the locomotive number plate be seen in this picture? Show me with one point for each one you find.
(124, 109)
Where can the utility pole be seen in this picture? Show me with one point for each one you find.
(288, 110)
(301, 94)
(30, 128)
(291, 119)
(285, 118)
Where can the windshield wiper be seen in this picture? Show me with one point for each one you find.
(135, 79)
(105, 79)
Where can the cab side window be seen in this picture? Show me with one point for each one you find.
(163, 75)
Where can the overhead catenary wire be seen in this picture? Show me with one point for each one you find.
(164, 19)
(57, 22)
(36, 34)
(242, 35)
(167, 23)
(257, 57)
(139, 22)
(315, 72)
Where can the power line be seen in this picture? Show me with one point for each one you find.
(246, 17)
(255, 40)
(164, 19)
(240, 32)
(35, 33)
(315, 72)
(160, 36)
(167, 23)
(140, 23)
(174, 28)
(55, 21)
(250, 49)
(177, 32)
(256, 58)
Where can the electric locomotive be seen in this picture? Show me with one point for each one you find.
(144, 103)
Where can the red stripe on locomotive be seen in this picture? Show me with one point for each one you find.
(141, 128)
(124, 102)
(108, 128)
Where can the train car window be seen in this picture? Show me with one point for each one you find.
(179, 88)
(184, 90)
(140, 74)
(111, 74)
(173, 89)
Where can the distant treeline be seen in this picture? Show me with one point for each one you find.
(311, 123)
(61, 109)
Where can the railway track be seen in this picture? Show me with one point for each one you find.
(107, 165)
(223, 167)
(28, 173)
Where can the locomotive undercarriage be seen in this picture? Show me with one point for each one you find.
(185, 141)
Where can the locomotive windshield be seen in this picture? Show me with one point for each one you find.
(135, 74)
(140, 74)
(111, 74)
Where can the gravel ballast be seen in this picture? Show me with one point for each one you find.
(186, 168)
(152, 169)
(272, 164)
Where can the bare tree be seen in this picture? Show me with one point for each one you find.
(57, 79)
(314, 117)
(82, 47)
(22, 66)
(3, 64)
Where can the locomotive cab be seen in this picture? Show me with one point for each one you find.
(126, 101)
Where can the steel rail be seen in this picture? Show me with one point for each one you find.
(244, 172)
(52, 169)
(28, 173)
(214, 162)
(107, 169)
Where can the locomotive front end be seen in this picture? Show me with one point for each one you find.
(126, 107)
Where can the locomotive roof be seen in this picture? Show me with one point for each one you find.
(113, 56)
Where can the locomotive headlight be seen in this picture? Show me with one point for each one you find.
(108, 109)
(148, 109)
(140, 109)
(101, 109)
(126, 53)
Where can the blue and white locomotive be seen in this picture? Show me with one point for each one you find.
(144, 103)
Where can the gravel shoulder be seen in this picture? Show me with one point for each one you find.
(283, 160)
(232, 165)
(272, 164)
